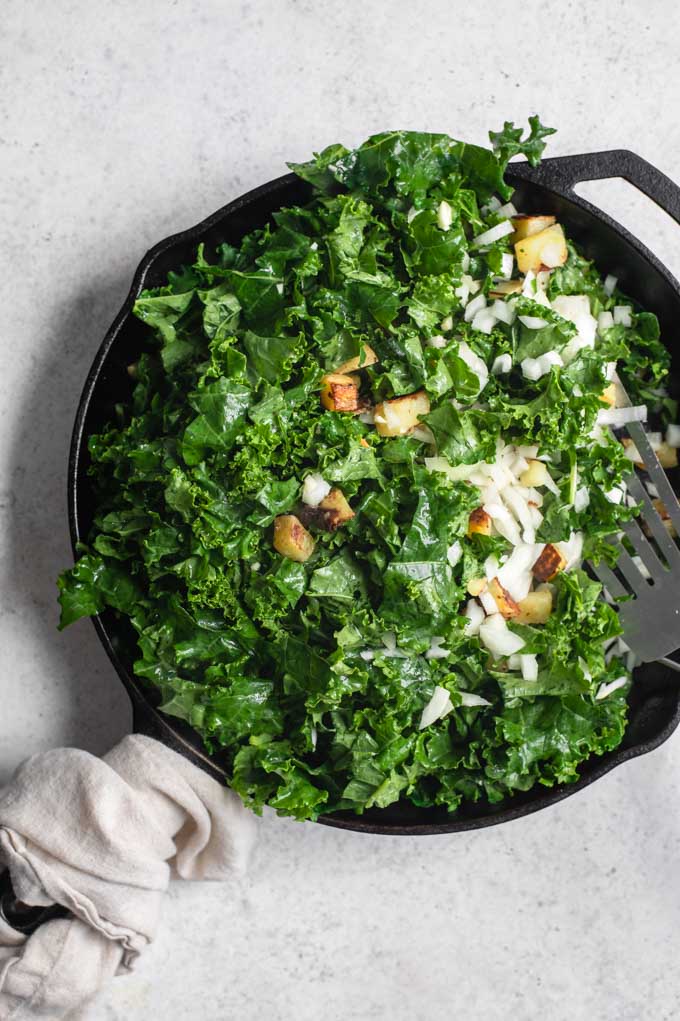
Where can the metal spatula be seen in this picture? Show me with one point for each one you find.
(651, 618)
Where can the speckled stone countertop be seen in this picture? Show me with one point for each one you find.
(123, 122)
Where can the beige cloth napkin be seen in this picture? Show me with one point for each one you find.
(103, 837)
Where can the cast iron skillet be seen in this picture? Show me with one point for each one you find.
(655, 699)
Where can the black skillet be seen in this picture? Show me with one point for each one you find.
(549, 188)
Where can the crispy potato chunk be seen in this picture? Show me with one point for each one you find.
(546, 249)
(502, 288)
(660, 507)
(336, 501)
(525, 226)
(667, 456)
(479, 522)
(504, 601)
(535, 608)
(291, 538)
(398, 416)
(340, 392)
(361, 361)
(476, 586)
(535, 474)
(549, 563)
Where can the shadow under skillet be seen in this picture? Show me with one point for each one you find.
(97, 708)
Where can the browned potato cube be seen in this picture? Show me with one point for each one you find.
(504, 601)
(340, 392)
(548, 248)
(479, 522)
(668, 456)
(549, 564)
(361, 361)
(398, 416)
(336, 501)
(535, 608)
(660, 507)
(502, 288)
(525, 226)
(291, 538)
(476, 586)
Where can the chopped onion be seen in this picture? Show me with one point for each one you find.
(503, 521)
(515, 574)
(605, 321)
(412, 213)
(623, 315)
(533, 322)
(673, 435)
(437, 341)
(473, 307)
(572, 550)
(475, 617)
(504, 311)
(444, 215)
(467, 698)
(515, 661)
(484, 321)
(454, 553)
(367, 654)
(446, 324)
(439, 705)
(501, 365)
(422, 433)
(618, 417)
(581, 499)
(488, 602)
(389, 640)
(547, 360)
(610, 283)
(529, 667)
(491, 567)
(474, 362)
(614, 495)
(528, 450)
(507, 266)
(512, 496)
(489, 237)
(436, 651)
(571, 306)
(531, 368)
(492, 206)
(606, 689)
(508, 210)
(314, 490)
(465, 262)
(498, 638)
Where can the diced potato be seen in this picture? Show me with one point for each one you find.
(340, 392)
(609, 395)
(476, 586)
(502, 288)
(525, 226)
(549, 563)
(535, 608)
(398, 416)
(291, 538)
(535, 475)
(336, 501)
(479, 522)
(667, 456)
(663, 514)
(504, 601)
(547, 248)
(368, 357)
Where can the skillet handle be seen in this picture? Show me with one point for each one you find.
(561, 173)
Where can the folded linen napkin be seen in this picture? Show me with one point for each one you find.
(102, 837)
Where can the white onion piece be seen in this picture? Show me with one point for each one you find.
(607, 689)
(483, 321)
(468, 698)
(446, 324)
(491, 567)
(572, 550)
(571, 306)
(623, 315)
(507, 266)
(436, 651)
(422, 433)
(473, 307)
(610, 283)
(438, 706)
(531, 368)
(493, 234)
(389, 640)
(618, 417)
(488, 602)
(475, 617)
(533, 322)
(498, 638)
(501, 365)
(444, 215)
(437, 341)
(581, 499)
(454, 553)
(515, 661)
(605, 321)
(614, 495)
(474, 362)
(314, 489)
(503, 521)
(547, 360)
(504, 311)
(507, 210)
(529, 667)
(367, 654)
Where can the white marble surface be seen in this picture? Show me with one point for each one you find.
(121, 122)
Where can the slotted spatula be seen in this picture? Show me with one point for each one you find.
(651, 618)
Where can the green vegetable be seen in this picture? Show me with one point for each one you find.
(311, 677)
